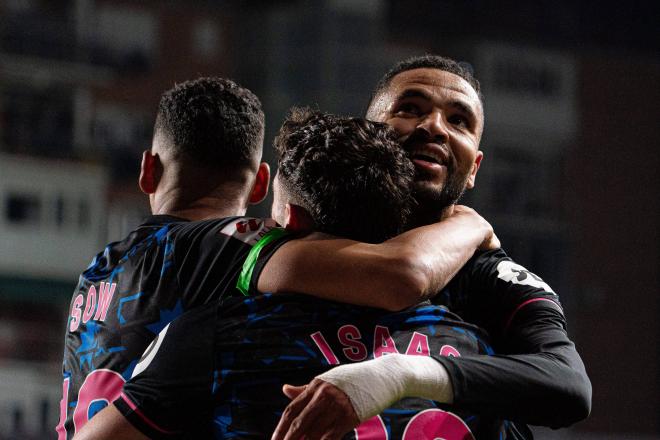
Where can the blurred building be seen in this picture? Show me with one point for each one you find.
(568, 180)
(80, 82)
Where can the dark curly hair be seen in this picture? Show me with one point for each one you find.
(350, 174)
(461, 69)
(213, 121)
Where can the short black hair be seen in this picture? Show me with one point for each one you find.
(461, 69)
(213, 121)
(350, 174)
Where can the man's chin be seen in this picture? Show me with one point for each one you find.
(427, 191)
(434, 196)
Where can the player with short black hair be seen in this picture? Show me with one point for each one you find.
(349, 174)
(180, 257)
(213, 121)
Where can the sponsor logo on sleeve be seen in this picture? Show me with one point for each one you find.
(517, 274)
(249, 230)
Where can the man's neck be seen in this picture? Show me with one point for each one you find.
(423, 217)
(201, 209)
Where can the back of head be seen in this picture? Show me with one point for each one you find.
(213, 122)
(427, 61)
(350, 174)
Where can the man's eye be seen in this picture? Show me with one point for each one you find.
(459, 120)
(407, 110)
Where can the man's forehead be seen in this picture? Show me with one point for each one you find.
(435, 82)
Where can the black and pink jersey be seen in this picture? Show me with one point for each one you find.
(219, 373)
(132, 290)
(262, 342)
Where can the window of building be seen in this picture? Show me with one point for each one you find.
(84, 219)
(125, 37)
(38, 121)
(22, 208)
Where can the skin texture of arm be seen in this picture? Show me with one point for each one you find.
(109, 424)
(392, 275)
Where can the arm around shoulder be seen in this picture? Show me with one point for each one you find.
(392, 275)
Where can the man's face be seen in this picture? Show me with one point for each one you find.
(439, 118)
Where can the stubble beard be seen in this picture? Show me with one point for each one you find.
(434, 200)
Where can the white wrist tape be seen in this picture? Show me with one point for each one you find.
(375, 385)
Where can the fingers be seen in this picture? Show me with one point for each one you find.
(291, 411)
(319, 417)
(292, 391)
(319, 411)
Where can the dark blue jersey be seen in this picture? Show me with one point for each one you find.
(132, 290)
(219, 373)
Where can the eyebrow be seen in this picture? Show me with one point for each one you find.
(465, 108)
(413, 93)
(457, 103)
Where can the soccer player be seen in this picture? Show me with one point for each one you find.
(204, 163)
(201, 172)
(218, 372)
(435, 105)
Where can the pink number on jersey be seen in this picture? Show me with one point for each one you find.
(436, 423)
(371, 429)
(61, 433)
(98, 385)
(448, 350)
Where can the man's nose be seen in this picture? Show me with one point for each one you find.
(435, 125)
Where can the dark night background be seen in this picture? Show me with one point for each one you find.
(569, 179)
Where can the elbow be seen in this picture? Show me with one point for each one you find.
(574, 402)
(581, 399)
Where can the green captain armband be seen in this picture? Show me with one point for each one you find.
(243, 283)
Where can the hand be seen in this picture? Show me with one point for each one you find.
(490, 241)
(319, 410)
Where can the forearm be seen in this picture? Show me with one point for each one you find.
(392, 275)
(438, 251)
(109, 424)
(545, 383)
(374, 385)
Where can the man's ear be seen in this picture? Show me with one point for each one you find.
(475, 167)
(297, 219)
(261, 182)
(151, 171)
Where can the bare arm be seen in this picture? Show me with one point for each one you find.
(109, 424)
(392, 275)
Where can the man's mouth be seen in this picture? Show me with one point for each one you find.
(429, 156)
(425, 159)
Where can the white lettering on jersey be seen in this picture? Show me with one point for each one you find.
(249, 230)
(150, 353)
(517, 274)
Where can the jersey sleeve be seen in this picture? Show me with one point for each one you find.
(259, 256)
(210, 256)
(537, 376)
(494, 289)
(172, 384)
